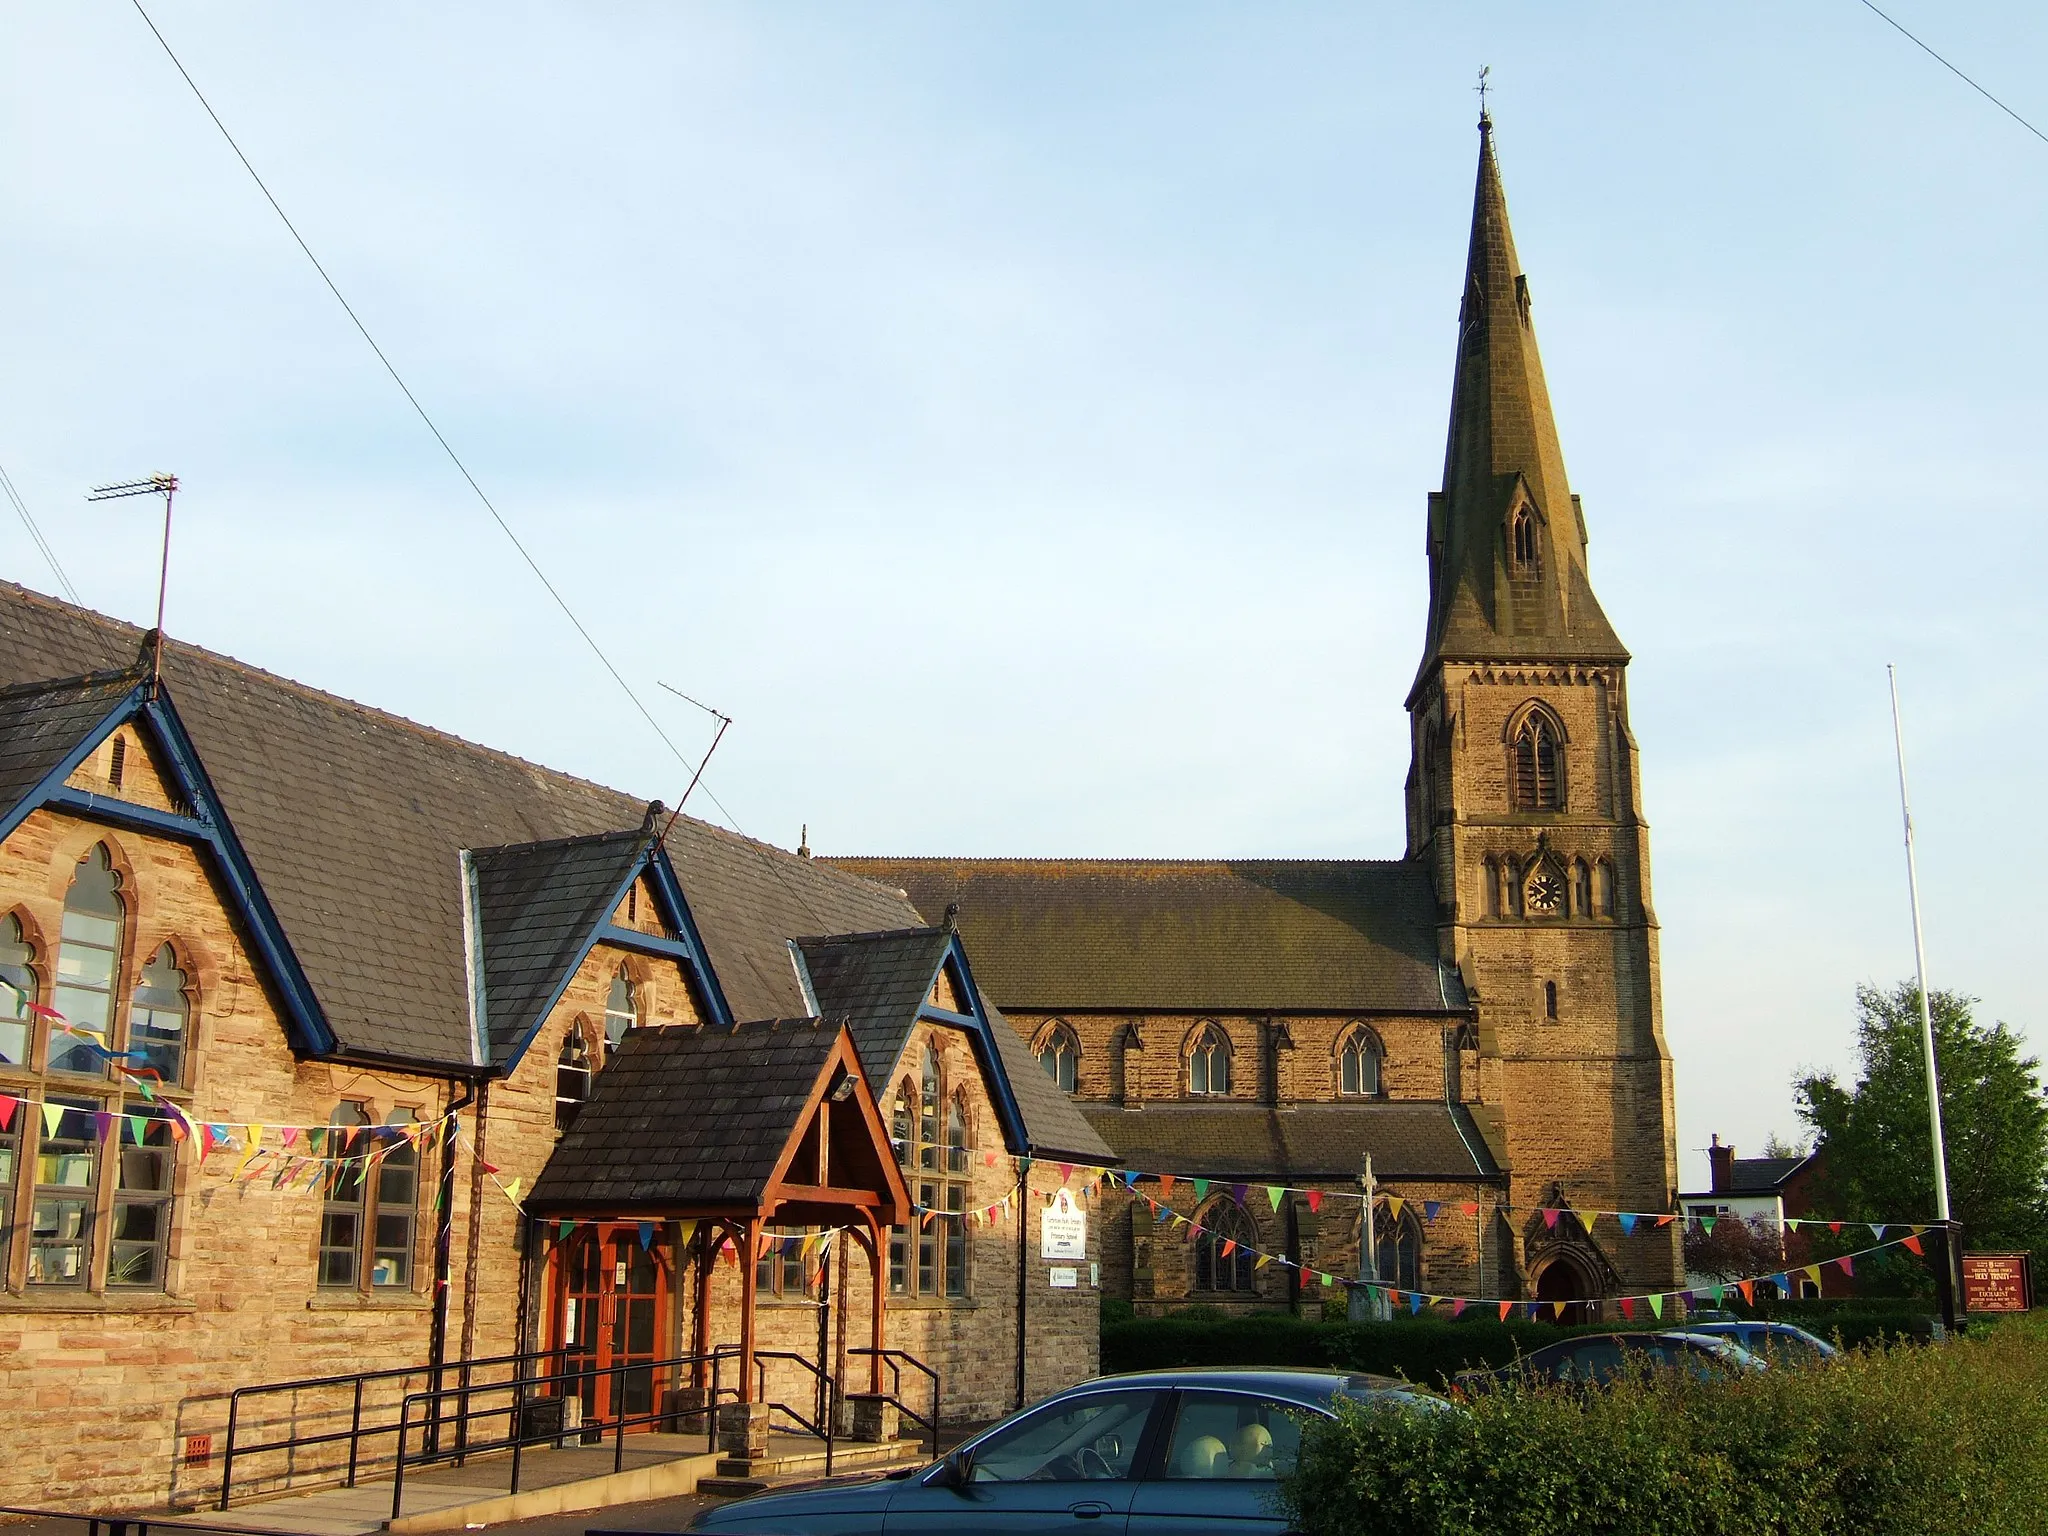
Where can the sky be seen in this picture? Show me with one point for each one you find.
(1019, 419)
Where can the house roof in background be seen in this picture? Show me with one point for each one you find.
(354, 821)
(1194, 935)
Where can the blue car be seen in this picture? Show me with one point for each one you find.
(1780, 1341)
(1155, 1453)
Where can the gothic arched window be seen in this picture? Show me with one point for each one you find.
(17, 991)
(1526, 543)
(88, 959)
(1603, 889)
(1225, 1248)
(902, 1127)
(158, 1015)
(1358, 1065)
(1060, 1054)
(620, 1011)
(1209, 1062)
(1536, 765)
(572, 1077)
(1398, 1247)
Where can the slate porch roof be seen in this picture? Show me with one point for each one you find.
(687, 1116)
(1415, 1141)
(1193, 935)
(354, 821)
(879, 981)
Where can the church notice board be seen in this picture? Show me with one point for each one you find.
(1998, 1282)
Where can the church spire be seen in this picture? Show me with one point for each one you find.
(1507, 545)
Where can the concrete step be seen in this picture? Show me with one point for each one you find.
(737, 1476)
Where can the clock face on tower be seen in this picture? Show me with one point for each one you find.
(1544, 893)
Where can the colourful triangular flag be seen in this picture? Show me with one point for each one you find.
(1430, 1208)
(1550, 1215)
(1394, 1204)
(1505, 1308)
(1315, 1201)
(1847, 1263)
(1628, 1223)
(1166, 1185)
(1748, 1289)
(53, 1116)
(8, 1104)
(1912, 1243)
(1877, 1231)
(1470, 1207)
(1656, 1305)
(646, 1227)
(512, 1194)
(1273, 1194)
(1457, 1308)
(1628, 1308)
(1414, 1304)
(1201, 1189)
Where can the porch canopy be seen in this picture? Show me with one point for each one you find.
(771, 1122)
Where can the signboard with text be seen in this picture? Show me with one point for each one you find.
(1998, 1282)
(1063, 1230)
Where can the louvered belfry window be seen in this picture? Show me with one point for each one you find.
(1537, 779)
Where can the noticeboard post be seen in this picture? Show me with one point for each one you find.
(1998, 1282)
(1063, 1231)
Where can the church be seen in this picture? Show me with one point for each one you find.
(1479, 1018)
(331, 1044)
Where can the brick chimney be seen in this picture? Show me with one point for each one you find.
(1722, 1160)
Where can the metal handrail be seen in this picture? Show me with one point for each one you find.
(896, 1359)
(824, 1408)
(519, 1437)
(355, 1432)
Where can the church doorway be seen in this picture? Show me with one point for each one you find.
(611, 1309)
(1562, 1279)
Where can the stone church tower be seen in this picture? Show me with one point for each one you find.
(1524, 803)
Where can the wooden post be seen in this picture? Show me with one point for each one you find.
(749, 1262)
(879, 1269)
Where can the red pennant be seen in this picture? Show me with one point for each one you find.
(1457, 1307)
(1848, 1265)
(1066, 1172)
(1470, 1207)
(8, 1104)
(1748, 1289)
(1835, 1227)
(1913, 1244)
(1229, 1245)
(1315, 1201)
(1628, 1308)
(1664, 1221)
(1550, 1215)
(1505, 1308)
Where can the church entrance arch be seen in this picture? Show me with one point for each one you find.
(1564, 1278)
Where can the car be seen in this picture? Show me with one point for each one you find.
(1780, 1341)
(1151, 1453)
(1592, 1359)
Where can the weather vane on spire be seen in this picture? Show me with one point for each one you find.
(1482, 88)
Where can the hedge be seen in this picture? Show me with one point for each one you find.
(1423, 1349)
(1896, 1440)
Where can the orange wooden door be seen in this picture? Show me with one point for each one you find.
(611, 1318)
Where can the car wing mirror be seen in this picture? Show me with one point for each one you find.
(950, 1473)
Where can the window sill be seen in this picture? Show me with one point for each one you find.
(91, 1303)
(369, 1301)
(933, 1303)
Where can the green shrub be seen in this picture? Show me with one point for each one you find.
(1898, 1440)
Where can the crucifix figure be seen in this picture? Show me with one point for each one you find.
(1482, 88)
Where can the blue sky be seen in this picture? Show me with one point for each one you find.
(1019, 417)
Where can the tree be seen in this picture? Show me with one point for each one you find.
(1876, 1163)
(1733, 1248)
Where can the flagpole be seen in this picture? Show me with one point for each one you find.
(1941, 1208)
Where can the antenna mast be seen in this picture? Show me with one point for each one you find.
(165, 486)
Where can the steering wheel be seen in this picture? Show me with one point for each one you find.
(1093, 1464)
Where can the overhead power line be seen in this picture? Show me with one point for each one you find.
(1944, 63)
(35, 533)
(454, 458)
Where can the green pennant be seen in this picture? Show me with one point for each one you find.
(1201, 1189)
(1656, 1304)
(1718, 1292)
(1706, 1223)
(1273, 1193)
(1326, 1277)
(563, 1229)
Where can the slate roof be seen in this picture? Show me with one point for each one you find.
(686, 1116)
(537, 905)
(1418, 1141)
(1055, 1124)
(41, 722)
(354, 821)
(1760, 1175)
(878, 981)
(1244, 935)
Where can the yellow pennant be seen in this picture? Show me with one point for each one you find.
(250, 1149)
(1394, 1204)
(512, 1190)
